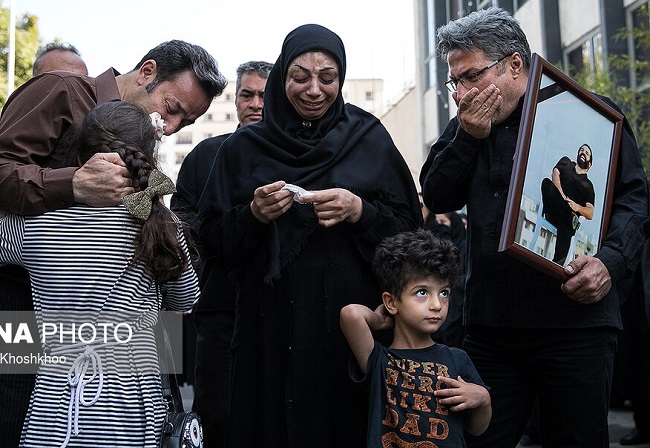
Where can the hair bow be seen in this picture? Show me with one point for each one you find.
(139, 203)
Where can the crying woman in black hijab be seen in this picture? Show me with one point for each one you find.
(294, 207)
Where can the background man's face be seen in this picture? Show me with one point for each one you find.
(249, 99)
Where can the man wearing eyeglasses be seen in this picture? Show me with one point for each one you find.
(527, 333)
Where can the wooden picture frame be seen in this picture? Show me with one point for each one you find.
(559, 117)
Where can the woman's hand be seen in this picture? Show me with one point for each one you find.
(335, 205)
(271, 201)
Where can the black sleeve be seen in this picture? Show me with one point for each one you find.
(623, 243)
(445, 174)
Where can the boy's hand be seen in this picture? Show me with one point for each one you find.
(384, 320)
(461, 395)
(472, 398)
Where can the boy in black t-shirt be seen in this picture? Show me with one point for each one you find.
(419, 390)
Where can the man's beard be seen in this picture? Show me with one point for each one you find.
(583, 163)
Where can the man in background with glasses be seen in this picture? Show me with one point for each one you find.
(528, 334)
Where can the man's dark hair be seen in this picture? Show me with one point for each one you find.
(409, 255)
(176, 56)
(260, 68)
(52, 46)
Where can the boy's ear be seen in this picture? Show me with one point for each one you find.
(389, 302)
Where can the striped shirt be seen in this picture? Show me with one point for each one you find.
(83, 281)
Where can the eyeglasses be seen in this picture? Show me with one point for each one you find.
(452, 84)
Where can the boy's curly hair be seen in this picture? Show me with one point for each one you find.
(416, 254)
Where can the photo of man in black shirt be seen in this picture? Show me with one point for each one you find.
(567, 196)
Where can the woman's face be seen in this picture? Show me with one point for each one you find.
(312, 84)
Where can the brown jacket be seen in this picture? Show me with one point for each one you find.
(32, 121)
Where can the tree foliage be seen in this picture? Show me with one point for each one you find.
(26, 45)
(635, 100)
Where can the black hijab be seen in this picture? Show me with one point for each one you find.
(284, 124)
(345, 148)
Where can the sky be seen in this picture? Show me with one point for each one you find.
(378, 34)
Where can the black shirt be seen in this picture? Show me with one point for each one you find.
(218, 291)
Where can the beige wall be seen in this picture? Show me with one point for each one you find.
(528, 16)
(401, 122)
(577, 18)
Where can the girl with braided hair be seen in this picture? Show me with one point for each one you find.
(126, 129)
(97, 274)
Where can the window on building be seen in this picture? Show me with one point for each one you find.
(184, 138)
(180, 156)
(639, 18)
(483, 4)
(207, 135)
(208, 117)
(230, 116)
(229, 97)
(586, 55)
(429, 56)
(369, 96)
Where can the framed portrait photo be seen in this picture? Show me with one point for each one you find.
(558, 205)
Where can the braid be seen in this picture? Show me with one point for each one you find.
(136, 162)
(126, 129)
